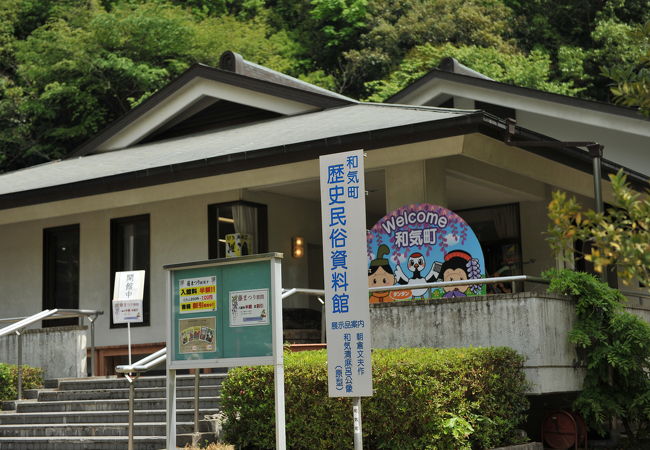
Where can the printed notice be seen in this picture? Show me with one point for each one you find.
(127, 311)
(249, 307)
(197, 335)
(197, 294)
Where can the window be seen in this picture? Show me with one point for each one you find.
(236, 229)
(61, 271)
(498, 230)
(130, 251)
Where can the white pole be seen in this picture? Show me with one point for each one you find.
(171, 408)
(278, 366)
(128, 326)
(356, 416)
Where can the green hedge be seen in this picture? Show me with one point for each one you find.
(424, 398)
(32, 379)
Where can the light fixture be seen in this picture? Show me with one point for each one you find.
(297, 247)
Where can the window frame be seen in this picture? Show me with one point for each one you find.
(49, 275)
(116, 265)
(213, 226)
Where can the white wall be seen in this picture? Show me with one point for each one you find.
(179, 233)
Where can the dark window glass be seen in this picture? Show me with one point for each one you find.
(498, 230)
(61, 271)
(236, 229)
(130, 251)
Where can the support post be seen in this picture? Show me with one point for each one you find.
(278, 357)
(596, 153)
(171, 409)
(128, 325)
(197, 379)
(93, 356)
(356, 417)
(131, 412)
(19, 349)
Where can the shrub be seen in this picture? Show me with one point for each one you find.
(614, 345)
(424, 398)
(32, 379)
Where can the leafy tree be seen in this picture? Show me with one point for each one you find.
(586, 34)
(615, 348)
(395, 28)
(620, 237)
(87, 66)
(531, 70)
(632, 76)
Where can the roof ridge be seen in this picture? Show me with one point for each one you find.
(234, 62)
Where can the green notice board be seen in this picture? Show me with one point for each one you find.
(222, 312)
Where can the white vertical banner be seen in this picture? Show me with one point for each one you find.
(345, 261)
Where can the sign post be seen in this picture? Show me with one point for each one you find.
(347, 312)
(225, 313)
(128, 293)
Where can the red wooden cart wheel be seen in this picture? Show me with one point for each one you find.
(559, 430)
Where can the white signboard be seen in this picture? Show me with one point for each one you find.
(249, 307)
(128, 292)
(347, 313)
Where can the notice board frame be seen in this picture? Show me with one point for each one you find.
(274, 283)
(266, 338)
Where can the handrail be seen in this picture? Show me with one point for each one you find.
(631, 293)
(160, 356)
(27, 321)
(145, 363)
(22, 322)
(400, 287)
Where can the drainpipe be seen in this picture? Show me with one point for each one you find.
(596, 152)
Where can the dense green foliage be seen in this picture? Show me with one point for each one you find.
(424, 398)
(69, 67)
(32, 379)
(615, 348)
(619, 237)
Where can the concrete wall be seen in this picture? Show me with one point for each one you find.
(535, 325)
(60, 351)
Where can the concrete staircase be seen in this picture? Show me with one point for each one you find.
(92, 413)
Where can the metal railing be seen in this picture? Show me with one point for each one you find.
(20, 323)
(138, 367)
(160, 356)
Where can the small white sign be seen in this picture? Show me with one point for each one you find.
(128, 293)
(129, 285)
(249, 308)
(127, 311)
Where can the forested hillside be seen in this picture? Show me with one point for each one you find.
(69, 67)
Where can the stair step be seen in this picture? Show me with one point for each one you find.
(96, 442)
(113, 405)
(41, 418)
(92, 413)
(78, 384)
(83, 443)
(123, 393)
(97, 429)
